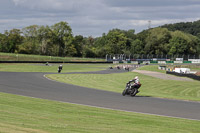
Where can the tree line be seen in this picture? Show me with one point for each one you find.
(187, 27)
(58, 40)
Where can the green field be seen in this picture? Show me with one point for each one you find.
(154, 87)
(20, 114)
(151, 68)
(32, 115)
(20, 67)
(27, 57)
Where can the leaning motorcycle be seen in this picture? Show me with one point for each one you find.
(131, 89)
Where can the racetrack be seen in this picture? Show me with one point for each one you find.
(36, 85)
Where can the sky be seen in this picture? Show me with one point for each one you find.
(95, 17)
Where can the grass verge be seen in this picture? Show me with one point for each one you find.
(31, 115)
(185, 90)
(28, 57)
(18, 67)
(153, 68)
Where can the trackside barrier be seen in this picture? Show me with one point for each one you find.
(156, 62)
(193, 76)
(161, 62)
(178, 62)
(169, 61)
(194, 60)
(134, 62)
(187, 61)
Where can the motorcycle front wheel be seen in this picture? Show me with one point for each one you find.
(124, 92)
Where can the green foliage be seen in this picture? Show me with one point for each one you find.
(58, 40)
(157, 40)
(182, 43)
(187, 27)
(45, 37)
(63, 37)
(10, 41)
(115, 42)
(78, 43)
(137, 47)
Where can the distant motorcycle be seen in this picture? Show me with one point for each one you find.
(59, 68)
(131, 89)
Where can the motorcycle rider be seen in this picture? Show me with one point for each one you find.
(59, 68)
(136, 83)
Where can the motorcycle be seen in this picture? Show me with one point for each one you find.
(131, 89)
(59, 68)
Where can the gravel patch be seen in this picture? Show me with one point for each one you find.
(162, 75)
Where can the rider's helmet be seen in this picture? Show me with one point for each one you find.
(60, 66)
(136, 77)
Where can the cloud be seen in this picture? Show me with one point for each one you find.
(150, 3)
(59, 5)
(39, 4)
(94, 17)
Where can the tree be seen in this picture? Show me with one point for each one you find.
(137, 47)
(186, 27)
(78, 43)
(63, 38)
(3, 43)
(115, 42)
(45, 37)
(11, 40)
(182, 43)
(31, 43)
(157, 41)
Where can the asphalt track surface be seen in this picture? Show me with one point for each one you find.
(36, 85)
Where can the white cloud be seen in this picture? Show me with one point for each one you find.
(39, 4)
(94, 17)
(56, 4)
(19, 2)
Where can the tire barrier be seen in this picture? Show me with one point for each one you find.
(192, 76)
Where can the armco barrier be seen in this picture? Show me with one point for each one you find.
(187, 62)
(154, 62)
(193, 76)
(169, 61)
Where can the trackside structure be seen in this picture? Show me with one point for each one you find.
(148, 59)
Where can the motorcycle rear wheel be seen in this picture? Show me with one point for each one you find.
(134, 92)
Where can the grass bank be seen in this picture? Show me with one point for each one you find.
(153, 68)
(31, 115)
(185, 90)
(27, 57)
(18, 67)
